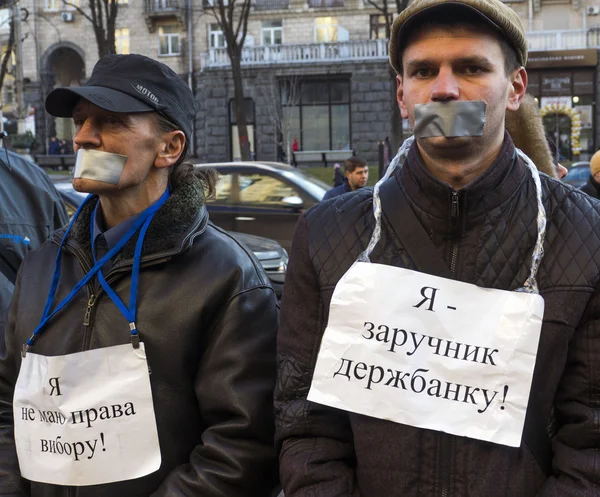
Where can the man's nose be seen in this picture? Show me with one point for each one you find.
(445, 86)
(87, 136)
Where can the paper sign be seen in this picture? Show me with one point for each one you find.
(86, 418)
(429, 352)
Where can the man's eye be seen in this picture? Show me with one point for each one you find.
(473, 70)
(78, 123)
(111, 120)
(423, 72)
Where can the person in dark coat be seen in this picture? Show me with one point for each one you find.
(474, 202)
(163, 284)
(30, 211)
(592, 187)
(357, 175)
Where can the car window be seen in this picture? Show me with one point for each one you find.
(224, 189)
(265, 190)
(578, 173)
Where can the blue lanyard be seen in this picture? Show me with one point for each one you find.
(143, 221)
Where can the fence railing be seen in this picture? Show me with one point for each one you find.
(566, 39)
(161, 5)
(297, 54)
(378, 49)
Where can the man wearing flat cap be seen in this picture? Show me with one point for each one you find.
(440, 332)
(139, 356)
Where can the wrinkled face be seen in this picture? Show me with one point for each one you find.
(358, 178)
(133, 135)
(442, 64)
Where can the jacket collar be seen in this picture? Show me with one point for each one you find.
(182, 215)
(484, 193)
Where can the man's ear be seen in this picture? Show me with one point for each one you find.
(400, 97)
(170, 149)
(517, 88)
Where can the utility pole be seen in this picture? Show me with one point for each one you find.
(16, 16)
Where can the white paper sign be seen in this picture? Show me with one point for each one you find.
(86, 418)
(429, 352)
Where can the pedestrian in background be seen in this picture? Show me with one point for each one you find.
(338, 176)
(592, 187)
(356, 177)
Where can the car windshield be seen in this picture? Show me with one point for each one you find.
(314, 186)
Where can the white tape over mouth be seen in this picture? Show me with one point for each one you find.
(99, 166)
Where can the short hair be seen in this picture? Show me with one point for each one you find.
(354, 162)
(462, 18)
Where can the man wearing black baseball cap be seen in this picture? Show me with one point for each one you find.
(382, 392)
(141, 339)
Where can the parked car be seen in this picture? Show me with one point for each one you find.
(271, 255)
(578, 174)
(262, 198)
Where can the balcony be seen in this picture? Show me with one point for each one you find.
(566, 39)
(163, 10)
(260, 5)
(301, 54)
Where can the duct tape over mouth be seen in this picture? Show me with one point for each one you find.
(99, 166)
(450, 119)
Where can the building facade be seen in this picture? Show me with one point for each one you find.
(315, 72)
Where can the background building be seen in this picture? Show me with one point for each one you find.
(314, 70)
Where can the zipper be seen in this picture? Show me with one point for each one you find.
(447, 441)
(454, 213)
(88, 311)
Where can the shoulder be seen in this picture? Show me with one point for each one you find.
(572, 233)
(32, 194)
(338, 229)
(222, 255)
(333, 192)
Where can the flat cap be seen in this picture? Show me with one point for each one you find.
(494, 12)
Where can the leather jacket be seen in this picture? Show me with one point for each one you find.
(208, 318)
(485, 233)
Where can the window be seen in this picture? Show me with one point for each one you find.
(59, 5)
(225, 189)
(378, 27)
(215, 3)
(272, 33)
(325, 3)
(215, 37)
(168, 40)
(9, 94)
(264, 190)
(319, 119)
(326, 29)
(122, 40)
(271, 4)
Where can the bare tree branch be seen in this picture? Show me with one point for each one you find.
(8, 53)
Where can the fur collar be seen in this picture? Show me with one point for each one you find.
(170, 225)
(526, 128)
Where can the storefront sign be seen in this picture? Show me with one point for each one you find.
(562, 58)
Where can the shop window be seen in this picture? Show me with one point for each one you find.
(319, 118)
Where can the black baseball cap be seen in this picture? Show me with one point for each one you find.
(130, 83)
